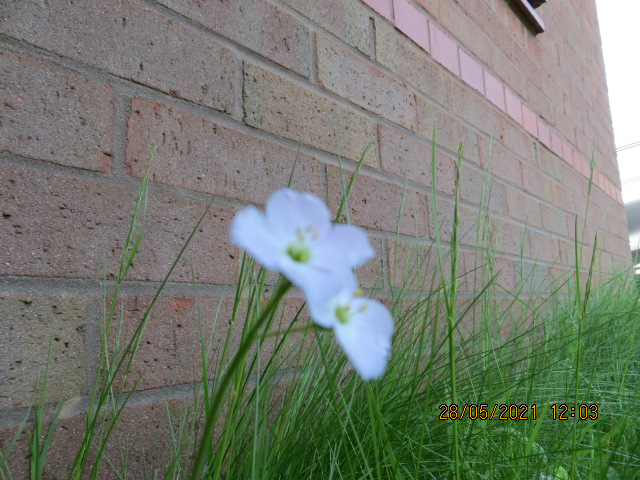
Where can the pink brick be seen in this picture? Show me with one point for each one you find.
(567, 153)
(556, 144)
(580, 163)
(494, 90)
(471, 71)
(444, 49)
(529, 120)
(383, 7)
(544, 134)
(411, 22)
(514, 105)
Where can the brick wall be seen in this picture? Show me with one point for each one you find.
(229, 92)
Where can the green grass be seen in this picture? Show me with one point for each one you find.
(287, 405)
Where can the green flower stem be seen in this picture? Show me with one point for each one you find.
(216, 405)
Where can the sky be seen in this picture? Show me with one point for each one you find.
(620, 34)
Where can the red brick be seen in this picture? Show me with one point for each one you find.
(371, 274)
(72, 228)
(412, 64)
(416, 267)
(500, 162)
(536, 183)
(554, 220)
(508, 237)
(468, 222)
(349, 21)
(475, 109)
(479, 271)
(404, 156)
(450, 132)
(550, 164)
(54, 115)
(204, 156)
(149, 431)
(522, 208)
(132, 42)
(564, 198)
(283, 107)
(255, 24)
(180, 329)
(360, 81)
(376, 204)
(479, 188)
(468, 33)
(29, 327)
(542, 247)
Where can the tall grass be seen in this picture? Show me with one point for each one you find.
(286, 404)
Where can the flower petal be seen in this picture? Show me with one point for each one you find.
(324, 297)
(344, 245)
(249, 230)
(366, 337)
(288, 210)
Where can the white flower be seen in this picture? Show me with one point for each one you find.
(295, 236)
(362, 326)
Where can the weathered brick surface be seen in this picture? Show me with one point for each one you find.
(255, 24)
(359, 81)
(536, 183)
(132, 42)
(371, 274)
(479, 270)
(500, 162)
(349, 21)
(543, 247)
(286, 108)
(179, 330)
(54, 115)
(147, 430)
(404, 156)
(450, 132)
(376, 204)
(29, 326)
(522, 207)
(471, 223)
(201, 155)
(71, 228)
(416, 267)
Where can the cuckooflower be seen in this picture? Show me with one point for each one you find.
(295, 236)
(363, 327)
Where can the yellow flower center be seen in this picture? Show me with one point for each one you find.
(342, 312)
(299, 253)
(299, 250)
